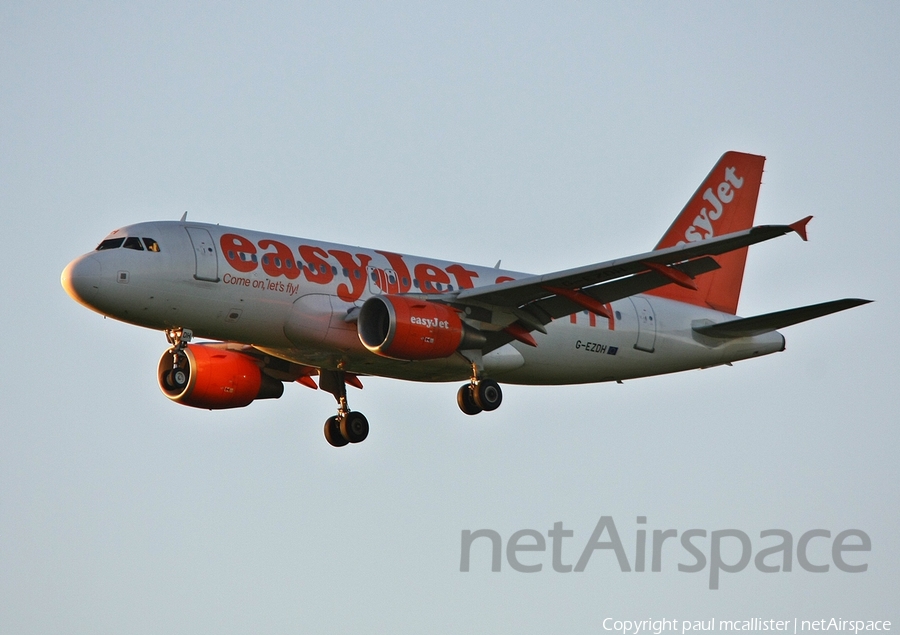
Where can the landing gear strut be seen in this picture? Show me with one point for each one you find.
(347, 426)
(479, 394)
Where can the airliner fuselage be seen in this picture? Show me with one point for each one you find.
(299, 312)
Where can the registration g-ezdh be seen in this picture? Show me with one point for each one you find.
(280, 310)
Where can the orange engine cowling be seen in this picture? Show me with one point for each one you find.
(407, 328)
(215, 379)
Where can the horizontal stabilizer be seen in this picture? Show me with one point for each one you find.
(748, 327)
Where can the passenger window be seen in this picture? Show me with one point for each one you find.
(110, 243)
(151, 244)
(133, 242)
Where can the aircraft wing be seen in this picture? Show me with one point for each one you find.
(517, 293)
(515, 308)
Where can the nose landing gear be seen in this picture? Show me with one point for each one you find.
(177, 378)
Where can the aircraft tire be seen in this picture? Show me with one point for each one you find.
(178, 378)
(488, 395)
(333, 432)
(466, 400)
(355, 427)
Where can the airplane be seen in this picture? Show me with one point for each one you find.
(280, 309)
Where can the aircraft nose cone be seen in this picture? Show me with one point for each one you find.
(81, 279)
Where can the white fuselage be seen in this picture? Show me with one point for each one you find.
(236, 285)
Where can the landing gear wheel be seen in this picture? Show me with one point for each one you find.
(355, 427)
(465, 399)
(177, 378)
(333, 432)
(488, 395)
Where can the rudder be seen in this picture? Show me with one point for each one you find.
(724, 203)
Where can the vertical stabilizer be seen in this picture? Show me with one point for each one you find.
(724, 203)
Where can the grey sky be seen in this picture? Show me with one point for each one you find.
(549, 137)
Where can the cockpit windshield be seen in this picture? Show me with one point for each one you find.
(130, 242)
(110, 243)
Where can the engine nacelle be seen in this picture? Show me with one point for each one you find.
(407, 328)
(215, 379)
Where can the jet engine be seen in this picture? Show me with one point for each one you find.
(406, 328)
(214, 378)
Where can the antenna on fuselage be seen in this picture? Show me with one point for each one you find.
(497, 266)
(183, 217)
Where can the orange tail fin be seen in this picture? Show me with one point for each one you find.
(724, 203)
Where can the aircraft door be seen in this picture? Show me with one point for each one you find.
(207, 262)
(382, 281)
(646, 337)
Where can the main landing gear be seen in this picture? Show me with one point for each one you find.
(347, 426)
(479, 395)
